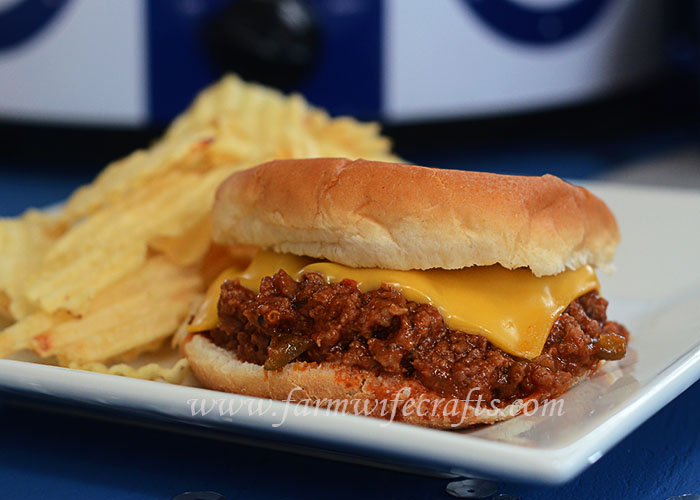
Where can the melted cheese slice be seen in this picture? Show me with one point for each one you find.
(513, 309)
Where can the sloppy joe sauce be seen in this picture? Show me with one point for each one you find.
(382, 332)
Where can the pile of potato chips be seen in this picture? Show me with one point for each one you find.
(118, 268)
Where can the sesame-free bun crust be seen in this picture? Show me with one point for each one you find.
(327, 385)
(373, 214)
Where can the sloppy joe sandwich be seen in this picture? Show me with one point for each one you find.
(457, 297)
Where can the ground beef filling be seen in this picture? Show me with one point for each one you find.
(381, 331)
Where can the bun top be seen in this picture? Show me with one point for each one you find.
(389, 215)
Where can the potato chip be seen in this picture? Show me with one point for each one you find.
(189, 247)
(5, 313)
(19, 335)
(152, 371)
(105, 247)
(143, 307)
(23, 241)
(132, 354)
(125, 175)
(121, 333)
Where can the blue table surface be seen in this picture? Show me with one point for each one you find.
(48, 455)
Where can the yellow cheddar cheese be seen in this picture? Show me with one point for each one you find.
(513, 309)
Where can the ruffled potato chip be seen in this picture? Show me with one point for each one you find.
(144, 307)
(23, 243)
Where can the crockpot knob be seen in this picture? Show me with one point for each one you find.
(275, 42)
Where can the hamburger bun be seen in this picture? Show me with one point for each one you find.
(388, 215)
(327, 385)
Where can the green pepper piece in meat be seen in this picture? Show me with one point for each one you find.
(285, 348)
(611, 346)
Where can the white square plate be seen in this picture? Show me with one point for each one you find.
(656, 293)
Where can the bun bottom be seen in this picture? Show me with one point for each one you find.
(342, 388)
